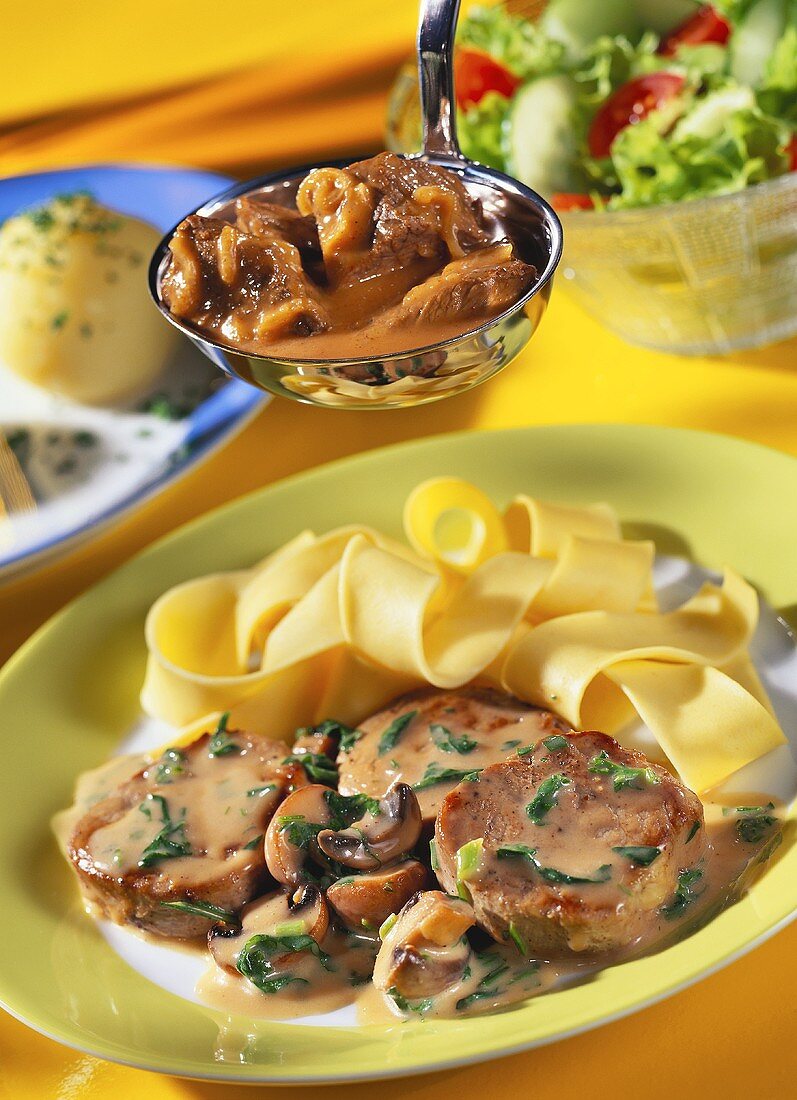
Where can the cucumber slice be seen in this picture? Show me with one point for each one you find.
(663, 16)
(540, 145)
(755, 38)
(708, 116)
(577, 23)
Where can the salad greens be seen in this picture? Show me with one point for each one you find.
(628, 104)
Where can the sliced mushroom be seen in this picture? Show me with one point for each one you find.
(378, 837)
(297, 912)
(426, 950)
(366, 901)
(289, 843)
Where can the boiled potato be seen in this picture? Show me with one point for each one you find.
(75, 312)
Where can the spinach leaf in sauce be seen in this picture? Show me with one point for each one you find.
(545, 799)
(754, 821)
(170, 841)
(550, 874)
(220, 743)
(685, 894)
(320, 768)
(256, 959)
(643, 854)
(447, 742)
(622, 775)
(405, 1005)
(693, 832)
(434, 774)
(391, 735)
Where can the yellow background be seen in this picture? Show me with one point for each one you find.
(275, 83)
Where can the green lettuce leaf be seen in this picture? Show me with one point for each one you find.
(516, 42)
(778, 93)
(480, 131)
(652, 167)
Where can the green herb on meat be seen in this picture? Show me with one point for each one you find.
(202, 909)
(254, 843)
(555, 743)
(170, 766)
(517, 939)
(433, 860)
(545, 798)
(394, 731)
(551, 874)
(693, 832)
(447, 742)
(685, 894)
(220, 743)
(642, 854)
(622, 775)
(170, 842)
(434, 774)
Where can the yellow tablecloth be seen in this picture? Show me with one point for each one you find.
(733, 1034)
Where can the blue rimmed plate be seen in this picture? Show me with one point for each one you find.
(89, 466)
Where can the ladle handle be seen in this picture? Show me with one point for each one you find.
(438, 21)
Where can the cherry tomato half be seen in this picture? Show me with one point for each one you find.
(476, 74)
(791, 153)
(570, 200)
(630, 103)
(706, 25)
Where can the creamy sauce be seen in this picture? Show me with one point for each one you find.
(92, 786)
(192, 804)
(496, 976)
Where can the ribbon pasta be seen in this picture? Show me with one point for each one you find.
(546, 601)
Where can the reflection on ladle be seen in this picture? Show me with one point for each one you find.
(339, 369)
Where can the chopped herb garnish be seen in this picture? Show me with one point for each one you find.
(387, 924)
(391, 735)
(404, 1005)
(555, 743)
(84, 439)
(254, 843)
(255, 961)
(59, 320)
(170, 841)
(622, 775)
(299, 831)
(551, 874)
(163, 407)
(344, 810)
(348, 737)
(755, 823)
(433, 860)
(517, 939)
(509, 745)
(642, 854)
(447, 742)
(526, 750)
(693, 831)
(684, 894)
(170, 766)
(546, 798)
(202, 909)
(434, 774)
(468, 861)
(318, 766)
(220, 743)
(258, 792)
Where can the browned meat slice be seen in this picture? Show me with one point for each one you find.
(430, 739)
(343, 209)
(421, 210)
(186, 829)
(482, 284)
(267, 219)
(239, 285)
(580, 846)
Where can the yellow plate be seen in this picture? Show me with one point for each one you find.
(71, 693)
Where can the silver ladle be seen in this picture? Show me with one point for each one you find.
(434, 371)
